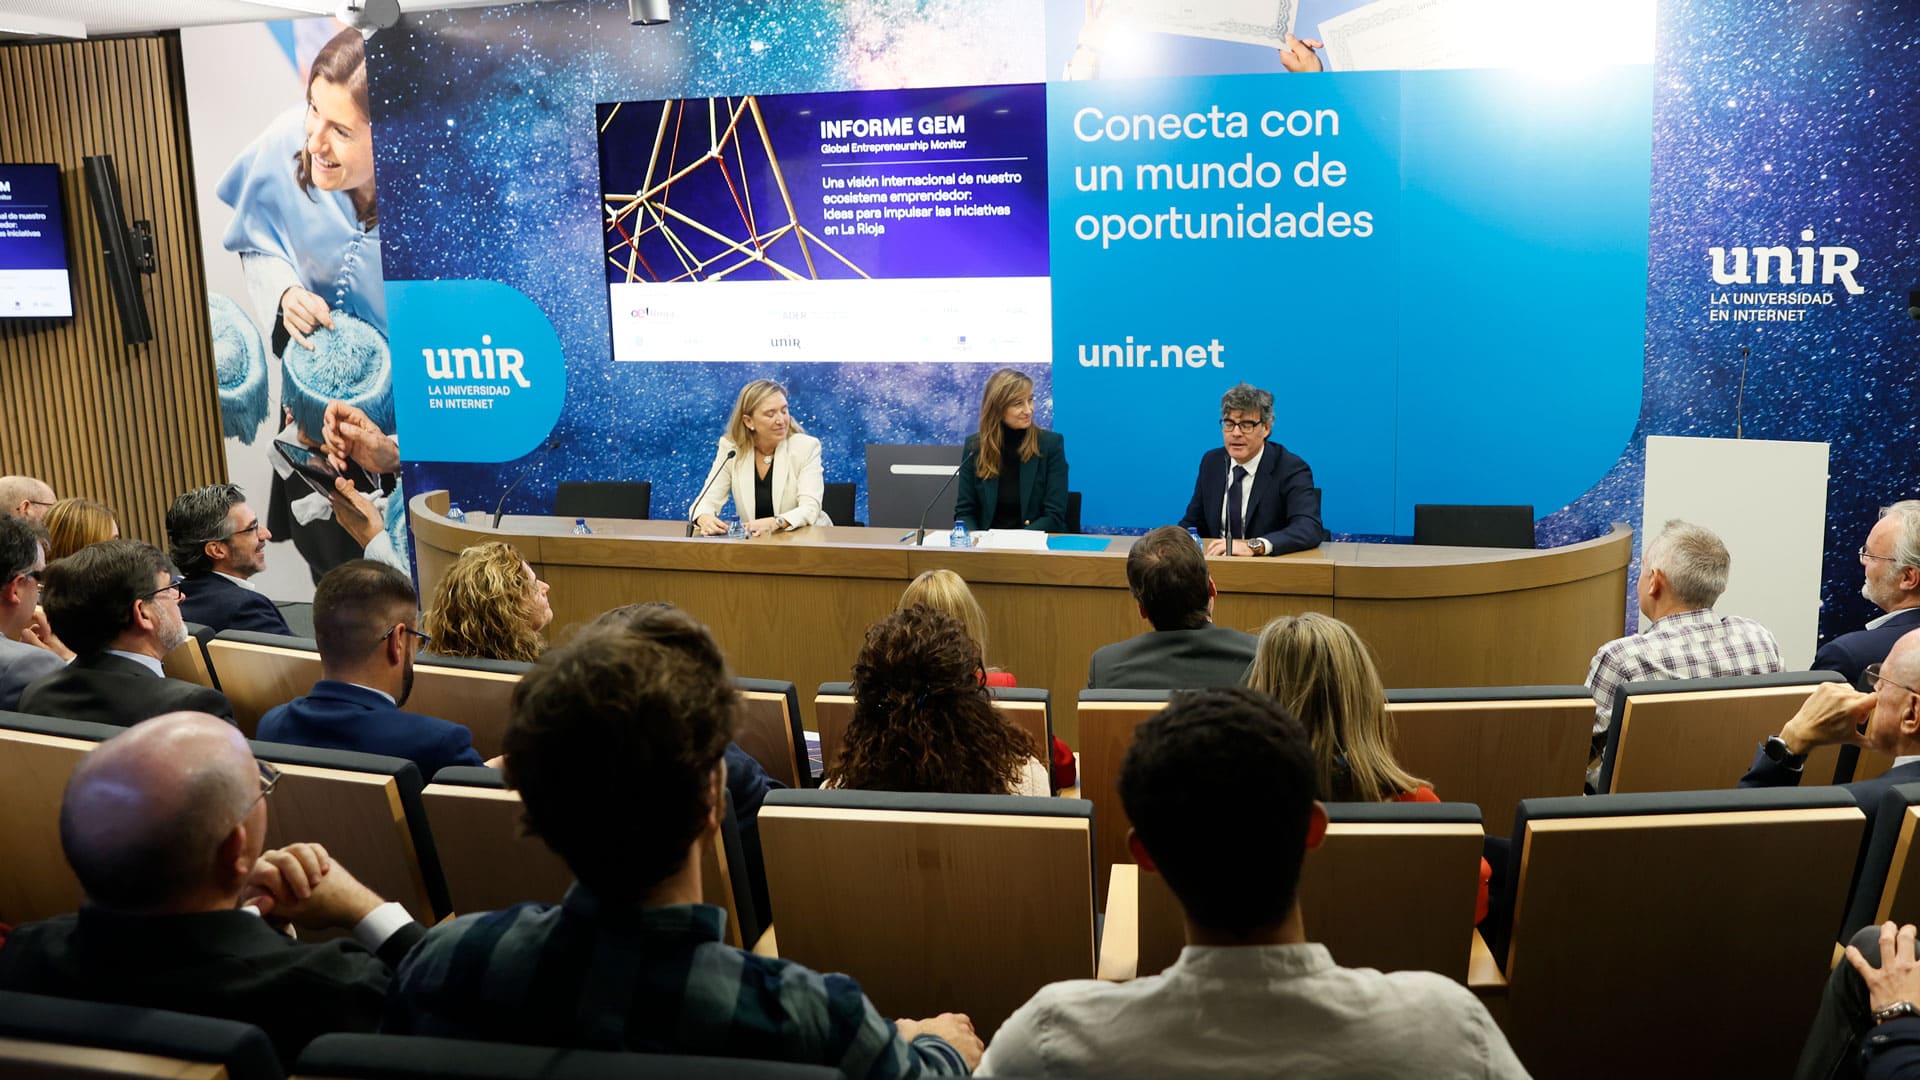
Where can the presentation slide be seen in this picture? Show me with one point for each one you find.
(34, 281)
(859, 227)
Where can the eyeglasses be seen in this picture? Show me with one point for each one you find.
(37, 502)
(1865, 554)
(1244, 427)
(269, 776)
(1871, 673)
(255, 527)
(424, 639)
(174, 586)
(39, 577)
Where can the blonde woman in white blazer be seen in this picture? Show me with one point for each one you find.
(769, 451)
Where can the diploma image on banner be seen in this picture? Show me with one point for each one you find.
(1251, 22)
(868, 226)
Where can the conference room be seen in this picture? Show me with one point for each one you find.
(1517, 398)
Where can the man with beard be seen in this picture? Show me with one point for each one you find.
(364, 619)
(116, 604)
(1890, 561)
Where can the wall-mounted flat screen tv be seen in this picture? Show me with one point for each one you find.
(35, 280)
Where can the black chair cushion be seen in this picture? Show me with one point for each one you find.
(473, 663)
(279, 641)
(243, 1049)
(932, 803)
(1403, 813)
(54, 725)
(398, 1057)
(1126, 695)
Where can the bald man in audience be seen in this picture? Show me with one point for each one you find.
(25, 655)
(1250, 995)
(1890, 566)
(1885, 718)
(165, 825)
(25, 497)
(116, 604)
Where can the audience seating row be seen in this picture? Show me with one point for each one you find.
(46, 1036)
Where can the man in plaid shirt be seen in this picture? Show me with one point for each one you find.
(616, 748)
(1683, 571)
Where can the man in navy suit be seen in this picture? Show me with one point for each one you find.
(218, 542)
(1253, 497)
(1891, 565)
(1834, 714)
(364, 614)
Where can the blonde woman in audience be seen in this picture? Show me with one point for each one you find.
(922, 720)
(489, 606)
(944, 590)
(75, 523)
(1318, 668)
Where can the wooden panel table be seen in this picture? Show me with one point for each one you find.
(796, 605)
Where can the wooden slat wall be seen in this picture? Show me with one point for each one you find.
(133, 425)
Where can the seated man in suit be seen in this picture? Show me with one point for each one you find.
(1184, 650)
(616, 747)
(364, 614)
(24, 655)
(116, 604)
(218, 542)
(164, 826)
(1250, 994)
(1890, 560)
(1252, 496)
(1886, 719)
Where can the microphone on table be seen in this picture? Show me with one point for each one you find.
(920, 534)
(717, 470)
(500, 508)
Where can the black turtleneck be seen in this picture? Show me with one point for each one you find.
(1006, 509)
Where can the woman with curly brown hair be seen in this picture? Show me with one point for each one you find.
(75, 523)
(489, 606)
(922, 719)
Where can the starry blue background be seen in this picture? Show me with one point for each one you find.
(1767, 119)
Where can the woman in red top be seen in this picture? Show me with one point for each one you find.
(1325, 676)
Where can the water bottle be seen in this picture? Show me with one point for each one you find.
(1195, 533)
(736, 530)
(580, 527)
(454, 513)
(959, 537)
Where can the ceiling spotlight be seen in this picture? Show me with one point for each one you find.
(649, 12)
(368, 15)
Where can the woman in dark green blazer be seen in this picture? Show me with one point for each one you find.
(1008, 444)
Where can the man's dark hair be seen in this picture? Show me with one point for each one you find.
(21, 541)
(613, 744)
(196, 518)
(1219, 786)
(90, 593)
(1168, 576)
(354, 604)
(149, 860)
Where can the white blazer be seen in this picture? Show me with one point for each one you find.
(799, 482)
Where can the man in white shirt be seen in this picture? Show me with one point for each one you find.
(1249, 996)
(26, 643)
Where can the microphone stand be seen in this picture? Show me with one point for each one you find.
(722, 467)
(920, 534)
(499, 508)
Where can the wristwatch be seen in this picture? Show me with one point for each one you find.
(1776, 750)
(1895, 1011)
(1259, 545)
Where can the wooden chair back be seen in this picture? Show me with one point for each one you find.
(1107, 720)
(1705, 739)
(833, 711)
(35, 880)
(1493, 752)
(770, 730)
(965, 903)
(1391, 895)
(188, 663)
(256, 677)
(1617, 917)
(64, 1061)
(491, 862)
(361, 821)
(1899, 898)
(482, 701)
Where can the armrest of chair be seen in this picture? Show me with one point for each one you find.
(1120, 936)
(1483, 974)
